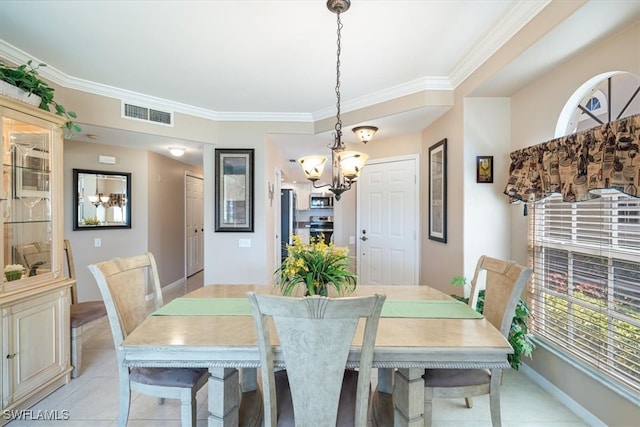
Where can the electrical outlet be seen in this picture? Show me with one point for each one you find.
(97, 242)
(244, 243)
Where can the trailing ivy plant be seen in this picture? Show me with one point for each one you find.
(26, 77)
(519, 332)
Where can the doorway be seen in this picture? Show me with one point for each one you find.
(194, 223)
(388, 205)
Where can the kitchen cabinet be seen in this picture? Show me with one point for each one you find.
(303, 233)
(35, 298)
(302, 192)
(36, 343)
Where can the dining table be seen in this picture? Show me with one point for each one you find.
(212, 327)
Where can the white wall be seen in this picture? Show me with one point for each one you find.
(486, 209)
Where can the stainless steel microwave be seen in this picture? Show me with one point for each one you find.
(320, 201)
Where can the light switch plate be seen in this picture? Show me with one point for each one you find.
(244, 243)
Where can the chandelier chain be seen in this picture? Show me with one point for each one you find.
(345, 165)
(338, 126)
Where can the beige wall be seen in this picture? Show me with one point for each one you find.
(157, 209)
(434, 272)
(166, 221)
(117, 242)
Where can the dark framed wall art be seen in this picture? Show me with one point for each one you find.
(438, 191)
(484, 169)
(234, 190)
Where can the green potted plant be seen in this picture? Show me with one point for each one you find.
(26, 78)
(13, 272)
(519, 332)
(316, 266)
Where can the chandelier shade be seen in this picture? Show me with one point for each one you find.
(365, 133)
(351, 163)
(345, 165)
(312, 166)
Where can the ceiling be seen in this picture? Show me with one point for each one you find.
(276, 60)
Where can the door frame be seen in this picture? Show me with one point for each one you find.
(277, 216)
(417, 240)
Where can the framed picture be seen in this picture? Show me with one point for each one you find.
(31, 171)
(484, 169)
(234, 190)
(438, 191)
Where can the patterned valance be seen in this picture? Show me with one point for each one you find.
(577, 164)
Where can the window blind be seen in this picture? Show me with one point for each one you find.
(585, 294)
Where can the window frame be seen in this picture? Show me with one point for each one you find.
(552, 233)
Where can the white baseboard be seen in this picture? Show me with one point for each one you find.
(171, 287)
(562, 397)
(177, 283)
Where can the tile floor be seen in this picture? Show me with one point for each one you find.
(92, 398)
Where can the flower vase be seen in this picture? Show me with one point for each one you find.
(319, 289)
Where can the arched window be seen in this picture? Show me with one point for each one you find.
(596, 105)
(615, 91)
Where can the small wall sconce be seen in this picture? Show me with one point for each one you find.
(270, 192)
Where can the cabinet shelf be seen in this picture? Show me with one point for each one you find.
(34, 221)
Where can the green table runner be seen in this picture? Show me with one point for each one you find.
(391, 308)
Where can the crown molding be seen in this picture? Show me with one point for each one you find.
(398, 91)
(516, 18)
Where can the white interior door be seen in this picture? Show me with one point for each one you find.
(387, 221)
(194, 224)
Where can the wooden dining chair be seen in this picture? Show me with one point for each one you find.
(315, 335)
(125, 284)
(504, 283)
(83, 315)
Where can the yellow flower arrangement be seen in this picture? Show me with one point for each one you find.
(91, 220)
(317, 266)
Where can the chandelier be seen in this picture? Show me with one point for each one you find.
(98, 199)
(345, 165)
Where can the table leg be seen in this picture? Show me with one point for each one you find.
(385, 380)
(382, 399)
(249, 379)
(250, 414)
(224, 397)
(408, 397)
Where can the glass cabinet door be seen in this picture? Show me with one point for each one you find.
(26, 199)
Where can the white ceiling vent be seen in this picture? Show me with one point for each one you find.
(147, 114)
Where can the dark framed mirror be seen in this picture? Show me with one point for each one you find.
(101, 199)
